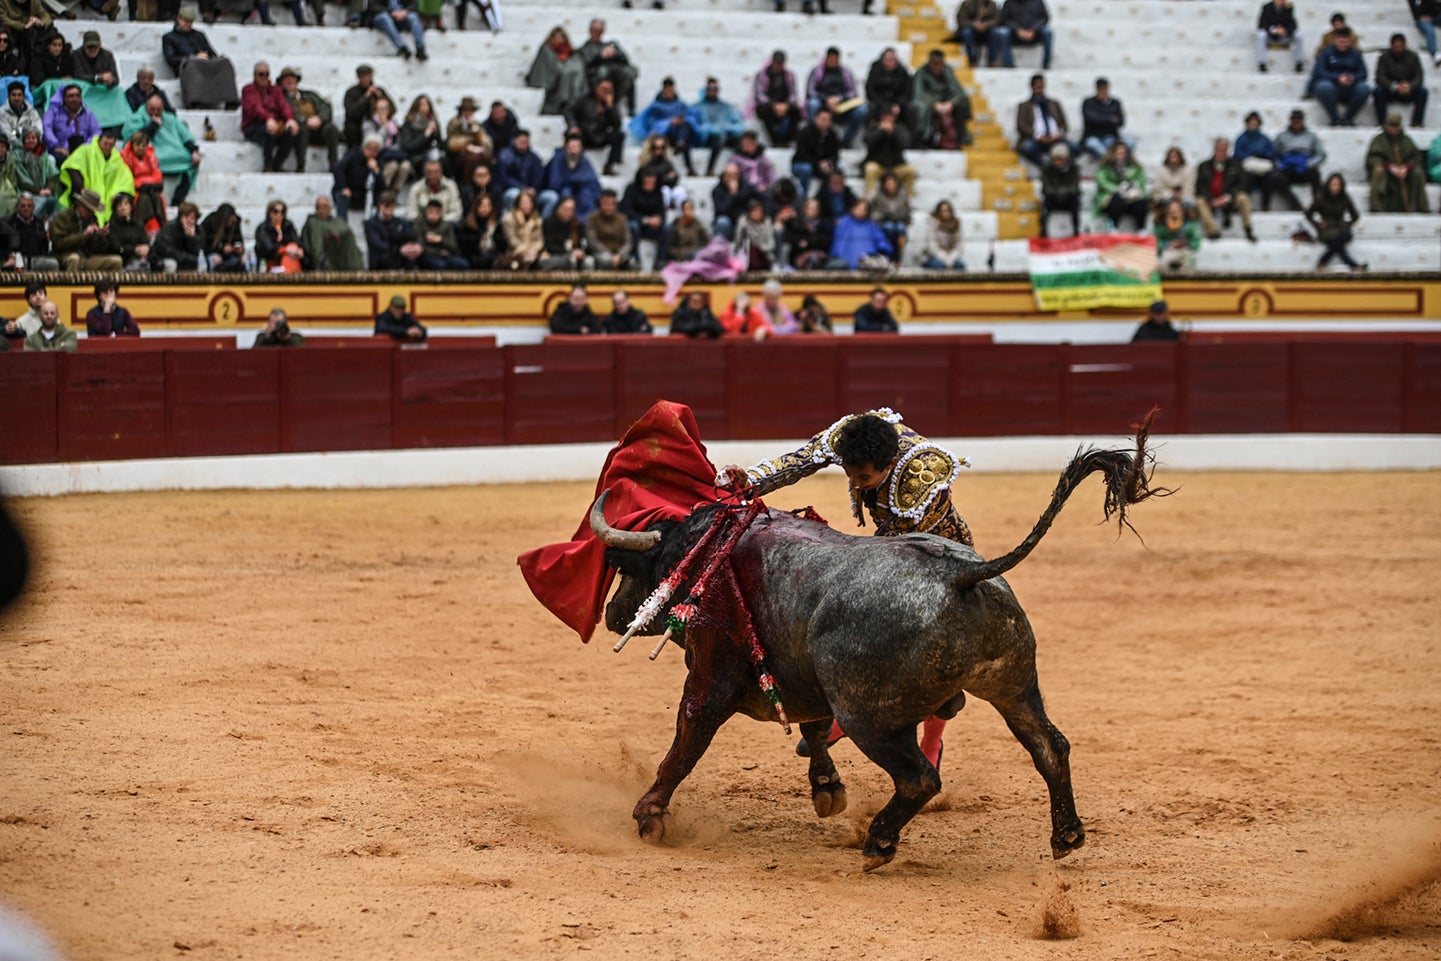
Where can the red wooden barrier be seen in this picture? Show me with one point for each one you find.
(672, 368)
(452, 397)
(560, 393)
(1001, 390)
(335, 399)
(101, 344)
(1345, 387)
(112, 405)
(1423, 388)
(783, 387)
(1237, 388)
(908, 374)
(1109, 388)
(222, 402)
(29, 431)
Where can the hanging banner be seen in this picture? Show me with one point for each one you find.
(1094, 270)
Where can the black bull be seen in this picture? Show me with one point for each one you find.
(878, 633)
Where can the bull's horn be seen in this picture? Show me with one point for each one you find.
(624, 540)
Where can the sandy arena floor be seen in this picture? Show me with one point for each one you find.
(336, 725)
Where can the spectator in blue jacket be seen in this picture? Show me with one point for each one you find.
(1341, 80)
(874, 316)
(857, 238)
(1257, 155)
(719, 124)
(518, 167)
(668, 116)
(570, 174)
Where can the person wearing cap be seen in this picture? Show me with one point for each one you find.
(92, 62)
(68, 122)
(1300, 156)
(569, 174)
(1026, 23)
(467, 143)
(17, 115)
(434, 185)
(941, 106)
(1399, 76)
(315, 116)
(206, 78)
(176, 151)
(776, 100)
(185, 42)
(390, 240)
(668, 116)
(399, 323)
(831, 85)
(34, 241)
(1157, 326)
(1341, 80)
(97, 165)
(1396, 168)
(595, 116)
(1276, 27)
(395, 17)
(359, 103)
(328, 241)
(605, 60)
(79, 240)
(144, 88)
(52, 334)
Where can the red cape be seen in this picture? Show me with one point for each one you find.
(658, 471)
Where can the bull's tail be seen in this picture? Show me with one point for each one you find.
(1128, 481)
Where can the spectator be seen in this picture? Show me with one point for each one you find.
(818, 151)
(942, 109)
(687, 234)
(832, 86)
(52, 334)
(518, 168)
(606, 61)
(1026, 24)
(50, 58)
(107, 318)
(730, 198)
(315, 118)
(874, 316)
(181, 242)
(481, 182)
(399, 323)
(482, 240)
(836, 197)
(625, 317)
(1256, 154)
(277, 332)
(1399, 77)
(943, 244)
(395, 167)
(979, 21)
(1338, 20)
(744, 319)
(1121, 188)
(176, 151)
(813, 318)
(1177, 239)
(357, 177)
(524, 237)
(437, 236)
(34, 241)
(564, 237)
(1299, 156)
(397, 17)
(9, 249)
(594, 114)
(569, 174)
(858, 244)
(755, 168)
(277, 243)
(1060, 189)
(1341, 79)
(886, 153)
(891, 210)
(558, 70)
(359, 102)
(608, 236)
(468, 144)
(776, 99)
(889, 89)
(17, 116)
(1433, 161)
(223, 241)
(36, 172)
(782, 320)
(98, 166)
(655, 159)
(9, 179)
(644, 207)
(1103, 117)
(12, 53)
(68, 122)
(1277, 28)
(1040, 123)
(28, 322)
(93, 63)
(574, 315)
(390, 241)
(266, 119)
(501, 126)
(421, 136)
(1424, 13)
(149, 200)
(668, 116)
(755, 237)
(693, 318)
(808, 237)
(328, 241)
(206, 78)
(718, 124)
(144, 88)
(1332, 214)
(1175, 180)
(434, 185)
(1157, 326)
(1394, 163)
(129, 233)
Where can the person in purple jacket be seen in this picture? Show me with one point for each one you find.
(68, 122)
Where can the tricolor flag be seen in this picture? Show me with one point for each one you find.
(1095, 270)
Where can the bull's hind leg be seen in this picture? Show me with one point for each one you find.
(1051, 752)
(828, 794)
(916, 781)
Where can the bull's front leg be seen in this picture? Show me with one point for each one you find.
(828, 794)
(709, 700)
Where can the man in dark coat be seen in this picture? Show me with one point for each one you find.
(1399, 76)
(399, 323)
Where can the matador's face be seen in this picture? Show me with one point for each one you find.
(867, 477)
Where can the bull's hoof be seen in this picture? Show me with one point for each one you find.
(1064, 842)
(829, 799)
(875, 856)
(652, 827)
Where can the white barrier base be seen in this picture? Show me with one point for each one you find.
(580, 462)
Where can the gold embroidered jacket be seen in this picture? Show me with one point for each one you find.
(915, 497)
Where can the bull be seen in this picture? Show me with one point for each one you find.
(877, 633)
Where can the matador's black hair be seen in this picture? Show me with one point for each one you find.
(867, 441)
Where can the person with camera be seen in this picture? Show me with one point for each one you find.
(277, 332)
